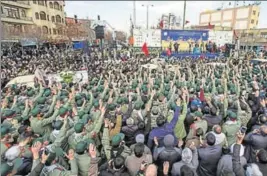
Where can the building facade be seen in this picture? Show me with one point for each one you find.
(244, 17)
(40, 19)
(171, 21)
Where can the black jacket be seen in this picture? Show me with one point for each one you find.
(208, 160)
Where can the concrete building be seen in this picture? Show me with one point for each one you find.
(252, 38)
(40, 19)
(171, 21)
(243, 17)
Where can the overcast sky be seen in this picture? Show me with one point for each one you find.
(118, 13)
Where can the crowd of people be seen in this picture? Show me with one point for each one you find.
(181, 118)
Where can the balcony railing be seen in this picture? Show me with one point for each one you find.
(17, 18)
(27, 3)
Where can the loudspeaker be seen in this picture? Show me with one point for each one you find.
(99, 32)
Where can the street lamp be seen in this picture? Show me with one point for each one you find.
(147, 12)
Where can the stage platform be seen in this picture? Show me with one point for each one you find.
(195, 56)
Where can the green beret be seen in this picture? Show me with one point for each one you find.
(96, 104)
(111, 107)
(232, 115)
(206, 89)
(81, 147)
(9, 113)
(106, 97)
(47, 92)
(41, 100)
(78, 97)
(125, 100)
(35, 111)
(138, 105)
(79, 103)
(78, 127)
(116, 140)
(198, 114)
(62, 110)
(120, 100)
(81, 114)
(64, 93)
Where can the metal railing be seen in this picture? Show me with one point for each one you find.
(18, 18)
(18, 2)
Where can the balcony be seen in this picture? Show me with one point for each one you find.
(19, 20)
(22, 4)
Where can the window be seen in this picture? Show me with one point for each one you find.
(2, 10)
(49, 30)
(60, 32)
(40, 2)
(252, 21)
(54, 31)
(47, 17)
(56, 5)
(42, 16)
(23, 13)
(60, 7)
(254, 12)
(53, 19)
(11, 12)
(58, 19)
(51, 5)
(37, 15)
(45, 29)
(34, 1)
(62, 20)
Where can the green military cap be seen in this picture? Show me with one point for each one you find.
(156, 87)
(78, 127)
(167, 87)
(106, 97)
(167, 80)
(206, 89)
(58, 124)
(117, 139)
(86, 118)
(79, 103)
(78, 97)
(35, 111)
(172, 106)
(4, 130)
(134, 98)
(101, 88)
(64, 93)
(47, 92)
(165, 93)
(138, 105)
(81, 113)
(81, 147)
(198, 114)
(125, 100)
(119, 100)
(41, 100)
(157, 82)
(232, 115)
(197, 89)
(112, 107)
(217, 82)
(62, 110)
(96, 104)
(9, 113)
(232, 90)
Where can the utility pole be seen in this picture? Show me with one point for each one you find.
(147, 14)
(184, 13)
(134, 14)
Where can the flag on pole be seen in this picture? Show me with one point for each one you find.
(161, 24)
(145, 49)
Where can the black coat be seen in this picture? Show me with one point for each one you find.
(208, 160)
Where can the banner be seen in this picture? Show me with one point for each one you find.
(152, 37)
(186, 39)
